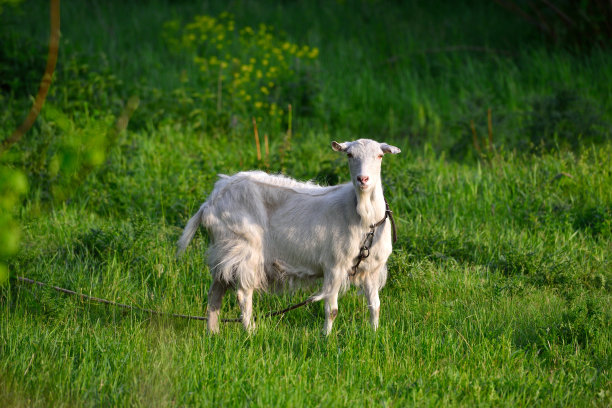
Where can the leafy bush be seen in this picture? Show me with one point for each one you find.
(22, 75)
(13, 185)
(84, 88)
(11, 3)
(566, 119)
(74, 130)
(60, 151)
(562, 119)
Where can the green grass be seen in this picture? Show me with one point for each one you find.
(500, 285)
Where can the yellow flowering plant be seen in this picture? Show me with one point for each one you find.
(243, 72)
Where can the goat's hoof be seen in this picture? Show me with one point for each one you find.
(249, 327)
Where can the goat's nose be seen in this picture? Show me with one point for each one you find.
(362, 179)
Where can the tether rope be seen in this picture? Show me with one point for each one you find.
(152, 311)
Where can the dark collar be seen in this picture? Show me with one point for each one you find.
(364, 251)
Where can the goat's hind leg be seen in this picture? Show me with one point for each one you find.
(215, 297)
(331, 303)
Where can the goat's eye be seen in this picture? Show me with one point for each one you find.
(380, 156)
(349, 155)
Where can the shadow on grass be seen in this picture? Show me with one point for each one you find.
(538, 268)
(557, 327)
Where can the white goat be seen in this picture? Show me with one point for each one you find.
(267, 230)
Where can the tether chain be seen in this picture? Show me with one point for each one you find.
(364, 251)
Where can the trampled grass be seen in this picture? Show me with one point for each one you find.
(499, 290)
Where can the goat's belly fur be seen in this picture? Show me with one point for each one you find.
(281, 276)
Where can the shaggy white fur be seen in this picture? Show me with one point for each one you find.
(270, 231)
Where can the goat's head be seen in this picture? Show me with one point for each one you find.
(365, 157)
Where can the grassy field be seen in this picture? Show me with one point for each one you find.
(500, 285)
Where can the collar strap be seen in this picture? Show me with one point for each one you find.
(388, 214)
(364, 251)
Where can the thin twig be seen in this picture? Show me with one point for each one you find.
(475, 137)
(512, 6)
(561, 14)
(490, 128)
(45, 82)
(547, 28)
(287, 140)
(289, 128)
(113, 134)
(267, 150)
(220, 93)
(256, 134)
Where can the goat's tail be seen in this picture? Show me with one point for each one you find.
(192, 226)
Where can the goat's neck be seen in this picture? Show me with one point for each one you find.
(370, 205)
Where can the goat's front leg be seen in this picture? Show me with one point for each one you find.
(245, 299)
(370, 290)
(331, 304)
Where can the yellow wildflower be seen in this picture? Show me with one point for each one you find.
(313, 53)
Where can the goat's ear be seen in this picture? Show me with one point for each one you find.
(389, 149)
(340, 147)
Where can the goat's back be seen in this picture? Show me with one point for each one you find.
(274, 224)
